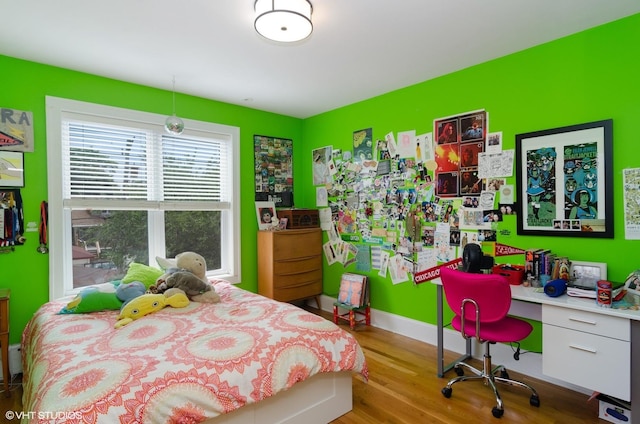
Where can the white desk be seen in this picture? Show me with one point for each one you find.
(625, 329)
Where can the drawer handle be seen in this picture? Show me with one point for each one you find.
(584, 321)
(298, 259)
(583, 348)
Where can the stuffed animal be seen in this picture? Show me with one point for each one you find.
(188, 273)
(126, 292)
(147, 304)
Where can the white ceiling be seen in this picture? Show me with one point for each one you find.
(359, 48)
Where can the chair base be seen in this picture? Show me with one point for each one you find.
(489, 376)
(354, 315)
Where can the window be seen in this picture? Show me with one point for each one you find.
(122, 190)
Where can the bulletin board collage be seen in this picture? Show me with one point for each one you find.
(407, 202)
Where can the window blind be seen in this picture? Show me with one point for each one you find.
(109, 162)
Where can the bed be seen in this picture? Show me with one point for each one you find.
(246, 359)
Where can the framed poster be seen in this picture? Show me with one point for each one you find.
(458, 143)
(11, 169)
(273, 170)
(564, 181)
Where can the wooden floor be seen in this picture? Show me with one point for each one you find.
(403, 388)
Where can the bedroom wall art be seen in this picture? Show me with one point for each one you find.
(273, 170)
(16, 130)
(392, 208)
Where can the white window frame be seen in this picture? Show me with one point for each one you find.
(59, 221)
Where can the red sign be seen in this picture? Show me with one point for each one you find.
(433, 273)
(504, 250)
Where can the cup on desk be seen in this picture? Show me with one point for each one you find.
(603, 293)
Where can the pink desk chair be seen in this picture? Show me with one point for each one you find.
(484, 300)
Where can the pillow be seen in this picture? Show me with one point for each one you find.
(101, 297)
(146, 274)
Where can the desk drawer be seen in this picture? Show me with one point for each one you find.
(591, 361)
(589, 322)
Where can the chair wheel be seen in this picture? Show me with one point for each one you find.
(446, 392)
(504, 374)
(534, 401)
(459, 371)
(497, 412)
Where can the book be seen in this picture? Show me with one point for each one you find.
(528, 263)
(353, 290)
(538, 262)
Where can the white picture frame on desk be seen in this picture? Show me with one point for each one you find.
(266, 212)
(590, 270)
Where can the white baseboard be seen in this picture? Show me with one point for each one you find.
(530, 364)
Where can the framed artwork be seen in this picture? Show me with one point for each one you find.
(273, 170)
(266, 214)
(458, 143)
(588, 270)
(16, 130)
(11, 169)
(564, 181)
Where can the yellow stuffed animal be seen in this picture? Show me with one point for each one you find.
(147, 304)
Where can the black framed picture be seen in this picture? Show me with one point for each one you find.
(564, 181)
(273, 170)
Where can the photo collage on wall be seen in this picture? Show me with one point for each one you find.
(386, 207)
(273, 170)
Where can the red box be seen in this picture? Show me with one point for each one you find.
(514, 273)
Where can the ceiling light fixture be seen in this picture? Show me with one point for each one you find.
(283, 20)
(173, 124)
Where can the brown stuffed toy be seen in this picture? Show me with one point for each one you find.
(188, 273)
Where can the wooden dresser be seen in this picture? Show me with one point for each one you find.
(290, 264)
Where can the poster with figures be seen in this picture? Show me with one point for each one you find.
(541, 187)
(273, 170)
(580, 181)
(564, 181)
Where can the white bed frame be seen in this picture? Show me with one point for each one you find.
(318, 400)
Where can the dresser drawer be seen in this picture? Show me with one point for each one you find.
(594, 362)
(293, 244)
(297, 279)
(296, 266)
(298, 291)
(590, 322)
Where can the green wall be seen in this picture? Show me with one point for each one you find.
(24, 87)
(585, 77)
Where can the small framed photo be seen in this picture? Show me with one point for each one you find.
(266, 212)
(588, 270)
(283, 223)
(11, 169)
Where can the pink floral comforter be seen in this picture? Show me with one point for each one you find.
(190, 363)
